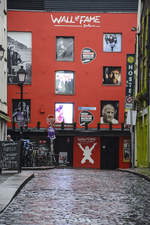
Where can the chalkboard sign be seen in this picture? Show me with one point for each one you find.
(10, 155)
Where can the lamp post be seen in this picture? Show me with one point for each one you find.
(21, 76)
(2, 50)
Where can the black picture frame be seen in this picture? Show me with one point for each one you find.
(109, 112)
(64, 82)
(112, 75)
(64, 48)
(16, 107)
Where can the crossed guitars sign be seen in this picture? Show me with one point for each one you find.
(87, 152)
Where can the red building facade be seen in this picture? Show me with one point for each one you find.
(76, 69)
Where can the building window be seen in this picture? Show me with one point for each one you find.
(111, 75)
(64, 48)
(64, 82)
(112, 42)
(109, 112)
(64, 112)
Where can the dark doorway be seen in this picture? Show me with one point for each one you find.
(109, 153)
(65, 144)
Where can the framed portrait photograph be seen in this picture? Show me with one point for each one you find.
(109, 112)
(111, 75)
(112, 42)
(64, 112)
(64, 82)
(16, 110)
(64, 48)
(19, 55)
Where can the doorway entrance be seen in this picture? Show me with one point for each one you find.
(64, 147)
(109, 153)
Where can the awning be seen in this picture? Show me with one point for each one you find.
(5, 117)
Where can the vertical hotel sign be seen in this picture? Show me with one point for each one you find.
(130, 81)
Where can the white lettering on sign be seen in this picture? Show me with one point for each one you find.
(76, 21)
(130, 67)
(131, 73)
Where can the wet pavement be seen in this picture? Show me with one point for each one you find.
(81, 197)
(11, 182)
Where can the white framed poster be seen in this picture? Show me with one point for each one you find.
(112, 42)
(64, 112)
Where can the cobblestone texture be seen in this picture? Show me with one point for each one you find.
(81, 197)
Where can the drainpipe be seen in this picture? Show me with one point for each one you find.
(149, 110)
(132, 138)
(149, 131)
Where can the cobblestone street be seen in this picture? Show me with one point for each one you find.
(81, 197)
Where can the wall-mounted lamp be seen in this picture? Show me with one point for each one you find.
(2, 50)
(133, 29)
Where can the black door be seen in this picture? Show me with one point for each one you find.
(109, 152)
(65, 144)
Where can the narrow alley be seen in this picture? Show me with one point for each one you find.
(79, 197)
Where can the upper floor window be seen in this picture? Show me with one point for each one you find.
(64, 48)
(112, 42)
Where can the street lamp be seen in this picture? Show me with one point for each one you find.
(21, 76)
(2, 50)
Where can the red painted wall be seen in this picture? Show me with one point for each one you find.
(89, 90)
